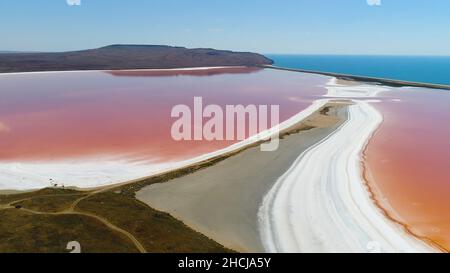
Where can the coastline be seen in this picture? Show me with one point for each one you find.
(356, 78)
(362, 79)
(125, 70)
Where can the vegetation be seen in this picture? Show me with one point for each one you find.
(106, 220)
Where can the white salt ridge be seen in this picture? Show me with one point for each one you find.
(321, 204)
(353, 91)
(78, 173)
(123, 70)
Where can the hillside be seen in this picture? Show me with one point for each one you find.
(127, 57)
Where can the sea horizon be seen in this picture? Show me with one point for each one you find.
(424, 69)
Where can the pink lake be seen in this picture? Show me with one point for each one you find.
(74, 117)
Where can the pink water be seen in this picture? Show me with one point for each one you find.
(409, 160)
(126, 114)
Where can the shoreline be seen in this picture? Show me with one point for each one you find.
(125, 70)
(376, 197)
(356, 78)
(365, 79)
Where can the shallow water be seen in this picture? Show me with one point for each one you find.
(409, 160)
(73, 117)
(63, 115)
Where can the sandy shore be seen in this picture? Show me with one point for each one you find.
(222, 201)
(125, 70)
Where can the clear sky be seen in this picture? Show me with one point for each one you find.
(407, 27)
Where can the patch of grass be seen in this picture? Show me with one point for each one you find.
(325, 110)
(5, 199)
(297, 130)
(53, 203)
(23, 232)
(157, 231)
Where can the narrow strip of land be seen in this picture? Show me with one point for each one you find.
(222, 201)
(362, 79)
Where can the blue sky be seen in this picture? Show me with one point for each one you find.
(406, 27)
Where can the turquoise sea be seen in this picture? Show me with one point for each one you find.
(428, 69)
